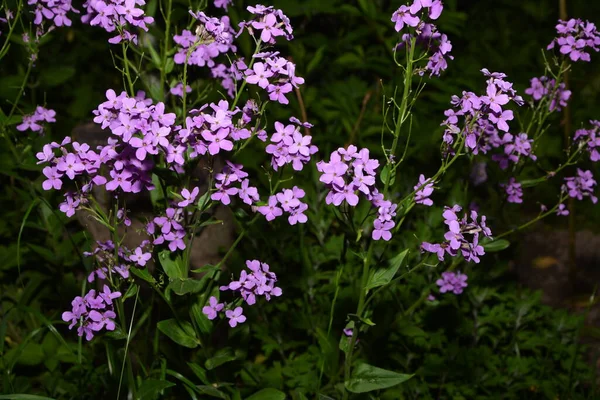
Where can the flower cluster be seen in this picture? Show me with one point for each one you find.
(212, 38)
(230, 75)
(452, 282)
(425, 34)
(514, 191)
(591, 139)
(544, 88)
(177, 90)
(140, 129)
(52, 10)
(167, 229)
(109, 262)
(423, 190)
(33, 122)
(515, 146)
(260, 281)
(351, 172)
(287, 200)
(273, 73)
(114, 15)
(223, 3)
(575, 38)
(92, 312)
(482, 117)
(289, 146)
(269, 24)
(233, 174)
(463, 234)
(581, 186)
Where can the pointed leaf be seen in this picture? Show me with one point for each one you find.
(383, 276)
(221, 357)
(367, 378)
(183, 335)
(267, 394)
(151, 388)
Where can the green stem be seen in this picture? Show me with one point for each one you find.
(165, 49)
(359, 310)
(127, 72)
(536, 219)
(408, 75)
(4, 49)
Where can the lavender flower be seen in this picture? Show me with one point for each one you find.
(351, 173)
(544, 88)
(452, 282)
(575, 38)
(463, 234)
(34, 122)
(424, 189)
(92, 312)
(110, 14)
(581, 186)
(590, 138)
(514, 191)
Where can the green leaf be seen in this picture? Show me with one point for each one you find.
(131, 291)
(30, 354)
(23, 397)
(142, 274)
(171, 267)
(411, 331)
(55, 76)
(221, 357)
(496, 245)
(383, 276)
(318, 56)
(151, 388)
(170, 65)
(117, 334)
(199, 372)
(267, 394)
(202, 322)
(183, 334)
(388, 173)
(367, 378)
(205, 269)
(185, 286)
(211, 391)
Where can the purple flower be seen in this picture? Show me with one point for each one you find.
(139, 257)
(248, 194)
(382, 230)
(259, 75)
(562, 210)
(575, 37)
(218, 141)
(404, 16)
(188, 198)
(452, 282)
(424, 189)
(581, 186)
(514, 191)
(177, 90)
(501, 119)
(53, 180)
(463, 234)
(271, 211)
(212, 309)
(107, 295)
(235, 316)
(120, 179)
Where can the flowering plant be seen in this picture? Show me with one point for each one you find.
(203, 129)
